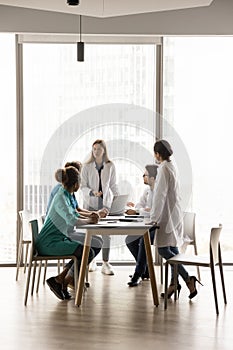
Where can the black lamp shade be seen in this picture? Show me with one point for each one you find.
(80, 51)
(73, 2)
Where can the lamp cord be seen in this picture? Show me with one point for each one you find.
(80, 34)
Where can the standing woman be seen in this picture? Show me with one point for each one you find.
(166, 212)
(98, 185)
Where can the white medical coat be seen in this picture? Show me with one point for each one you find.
(90, 182)
(166, 210)
(145, 201)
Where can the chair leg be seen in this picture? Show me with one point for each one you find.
(175, 279)
(161, 269)
(223, 284)
(45, 270)
(198, 268)
(26, 257)
(38, 278)
(20, 250)
(87, 284)
(75, 274)
(166, 285)
(28, 282)
(222, 276)
(58, 267)
(214, 288)
(198, 273)
(33, 277)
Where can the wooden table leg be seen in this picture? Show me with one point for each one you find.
(82, 272)
(151, 268)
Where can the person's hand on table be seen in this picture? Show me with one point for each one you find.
(93, 218)
(131, 212)
(103, 212)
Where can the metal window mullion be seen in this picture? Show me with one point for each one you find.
(159, 91)
(19, 131)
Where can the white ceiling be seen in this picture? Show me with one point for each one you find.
(107, 8)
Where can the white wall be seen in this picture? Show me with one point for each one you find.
(216, 19)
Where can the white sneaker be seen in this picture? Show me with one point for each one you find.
(107, 268)
(92, 266)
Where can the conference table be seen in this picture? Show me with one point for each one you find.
(117, 226)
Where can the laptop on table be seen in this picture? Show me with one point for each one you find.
(118, 205)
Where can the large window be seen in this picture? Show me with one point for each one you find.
(7, 149)
(198, 107)
(68, 104)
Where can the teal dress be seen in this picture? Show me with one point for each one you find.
(53, 239)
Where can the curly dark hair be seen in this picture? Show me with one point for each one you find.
(75, 163)
(68, 176)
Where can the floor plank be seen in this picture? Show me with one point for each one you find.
(114, 316)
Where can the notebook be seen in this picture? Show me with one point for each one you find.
(118, 205)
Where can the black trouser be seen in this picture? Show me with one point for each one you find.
(137, 248)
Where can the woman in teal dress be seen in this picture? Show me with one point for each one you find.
(53, 239)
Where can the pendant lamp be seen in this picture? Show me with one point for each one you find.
(80, 44)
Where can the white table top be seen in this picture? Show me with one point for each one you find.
(116, 224)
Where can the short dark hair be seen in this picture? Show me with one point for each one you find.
(152, 170)
(164, 149)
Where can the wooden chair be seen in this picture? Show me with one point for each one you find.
(211, 261)
(190, 240)
(35, 258)
(41, 220)
(24, 241)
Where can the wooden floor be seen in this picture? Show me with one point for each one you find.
(114, 316)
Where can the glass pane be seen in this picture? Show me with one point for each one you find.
(69, 104)
(8, 149)
(198, 107)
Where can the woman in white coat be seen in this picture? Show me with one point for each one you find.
(98, 185)
(166, 212)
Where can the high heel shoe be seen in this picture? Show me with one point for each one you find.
(191, 284)
(171, 291)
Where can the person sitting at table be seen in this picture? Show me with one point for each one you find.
(72, 232)
(53, 238)
(136, 243)
(78, 165)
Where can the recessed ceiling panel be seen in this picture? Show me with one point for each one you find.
(107, 8)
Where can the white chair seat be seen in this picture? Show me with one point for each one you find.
(192, 260)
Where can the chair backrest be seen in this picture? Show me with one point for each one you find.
(25, 217)
(34, 227)
(41, 221)
(214, 243)
(189, 226)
